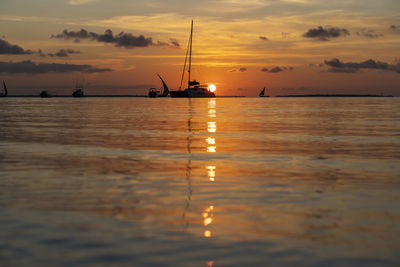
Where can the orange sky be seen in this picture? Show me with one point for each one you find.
(289, 46)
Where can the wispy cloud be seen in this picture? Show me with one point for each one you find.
(276, 69)
(80, 2)
(369, 33)
(64, 53)
(39, 68)
(242, 69)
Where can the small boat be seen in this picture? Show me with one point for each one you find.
(165, 88)
(262, 93)
(153, 92)
(194, 89)
(45, 94)
(5, 90)
(78, 90)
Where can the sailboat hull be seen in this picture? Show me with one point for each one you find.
(179, 93)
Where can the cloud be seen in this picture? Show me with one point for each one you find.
(241, 89)
(263, 38)
(325, 34)
(352, 67)
(10, 49)
(277, 69)
(64, 53)
(242, 69)
(40, 53)
(369, 33)
(174, 42)
(122, 39)
(80, 2)
(38, 68)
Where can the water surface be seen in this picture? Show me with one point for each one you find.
(200, 182)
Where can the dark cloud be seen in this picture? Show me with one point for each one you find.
(325, 34)
(64, 53)
(174, 42)
(241, 89)
(369, 33)
(263, 38)
(37, 68)
(243, 69)
(122, 39)
(7, 48)
(40, 53)
(277, 69)
(351, 67)
(394, 28)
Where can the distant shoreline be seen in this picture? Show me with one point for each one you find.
(123, 96)
(334, 95)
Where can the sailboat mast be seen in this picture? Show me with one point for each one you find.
(190, 52)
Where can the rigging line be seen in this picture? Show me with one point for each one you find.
(184, 66)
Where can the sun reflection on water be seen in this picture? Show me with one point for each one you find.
(208, 213)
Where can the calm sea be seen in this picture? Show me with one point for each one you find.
(200, 182)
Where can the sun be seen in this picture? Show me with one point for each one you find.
(212, 87)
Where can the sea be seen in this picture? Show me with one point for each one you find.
(239, 181)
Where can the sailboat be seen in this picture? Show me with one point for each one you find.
(78, 90)
(262, 93)
(5, 90)
(194, 89)
(45, 94)
(153, 92)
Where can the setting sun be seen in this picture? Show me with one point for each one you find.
(212, 87)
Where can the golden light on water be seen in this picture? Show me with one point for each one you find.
(212, 87)
(212, 127)
(207, 233)
(210, 141)
(211, 173)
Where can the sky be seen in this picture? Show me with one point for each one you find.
(119, 47)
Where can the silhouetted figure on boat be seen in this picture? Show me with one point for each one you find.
(5, 90)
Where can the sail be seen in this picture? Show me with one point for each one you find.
(262, 92)
(5, 89)
(166, 90)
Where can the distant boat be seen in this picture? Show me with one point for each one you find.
(78, 90)
(153, 92)
(262, 93)
(194, 89)
(5, 90)
(45, 94)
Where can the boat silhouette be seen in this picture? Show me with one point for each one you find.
(262, 93)
(78, 90)
(45, 94)
(194, 89)
(5, 90)
(153, 92)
